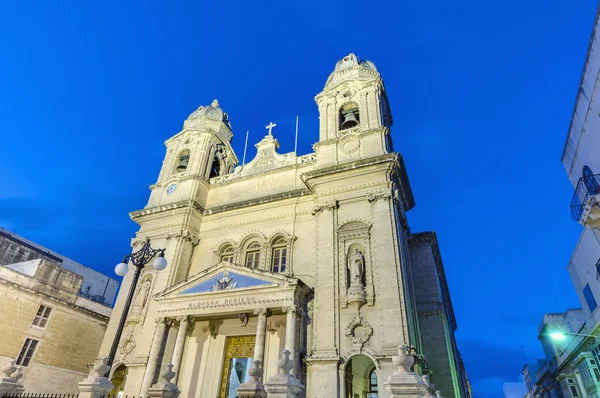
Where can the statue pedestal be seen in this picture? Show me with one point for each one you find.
(253, 388)
(10, 381)
(404, 383)
(96, 385)
(356, 296)
(164, 388)
(283, 384)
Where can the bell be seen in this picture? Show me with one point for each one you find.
(183, 162)
(349, 121)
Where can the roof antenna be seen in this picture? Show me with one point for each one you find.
(245, 146)
(296, 140)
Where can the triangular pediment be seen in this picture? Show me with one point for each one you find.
(226, 277)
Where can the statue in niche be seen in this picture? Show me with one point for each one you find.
(224, 283)
(356, 268)
(142, 296)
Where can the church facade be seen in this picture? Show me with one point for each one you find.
(310, 254)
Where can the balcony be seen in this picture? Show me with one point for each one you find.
(584, 205)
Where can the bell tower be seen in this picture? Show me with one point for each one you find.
(201, 151)
(355, 117)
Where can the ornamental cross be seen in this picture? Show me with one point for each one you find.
(270, 127)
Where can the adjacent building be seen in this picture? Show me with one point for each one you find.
(307, 253)
(53, 314)
(571, 340)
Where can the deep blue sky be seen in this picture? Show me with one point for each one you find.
(481, 94)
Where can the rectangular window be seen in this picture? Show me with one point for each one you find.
(279, 259)
(252, 259)
(589, 298)
(41, 319)
(27, 352)
(227, 258)
(574, 392)
(597, 374)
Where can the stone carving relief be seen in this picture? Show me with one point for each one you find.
(349, 143)
(243, 318)
(140, 301)
(185, 234)
(127, 344)
(386, 194)
(359, 331)
(320, 206)
(210, 329)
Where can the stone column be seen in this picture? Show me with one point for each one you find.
(290, 333)
(184, 323)
(254, 387)
(96, 385)
(283, 384)
(153, 359)
(404, 383)
(261, 332)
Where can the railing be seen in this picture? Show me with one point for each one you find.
(586, 187)
(48, 395)
(38, 395)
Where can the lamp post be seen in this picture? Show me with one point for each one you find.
(139, 259)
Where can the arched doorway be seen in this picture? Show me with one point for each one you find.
(118, 379)
(360, 378)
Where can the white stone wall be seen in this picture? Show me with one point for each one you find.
(583, 271)
(39, 378)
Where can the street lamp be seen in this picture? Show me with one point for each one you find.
(139, 259)
(560, 336)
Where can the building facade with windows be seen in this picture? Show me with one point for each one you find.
(50, 323)
(572, 361)
(306, 253)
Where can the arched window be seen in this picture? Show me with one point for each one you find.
(252, 254)
(590, 180)
(215, 169)
(182, 161)
(373, 381)
(227, 254)
(349, 116)
(279, 258)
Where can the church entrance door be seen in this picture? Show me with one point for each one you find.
(239, 353)
(118, 379)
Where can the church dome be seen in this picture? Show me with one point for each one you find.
(212, 111)
(351, 67)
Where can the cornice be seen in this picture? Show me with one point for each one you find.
(257, 201)
(171, 206)
(392, 158)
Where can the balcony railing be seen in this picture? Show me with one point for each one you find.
(586, 187)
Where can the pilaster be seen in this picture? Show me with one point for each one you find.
(325, 322)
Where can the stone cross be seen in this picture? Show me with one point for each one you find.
(270, 127)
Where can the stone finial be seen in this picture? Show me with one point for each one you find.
(215, 103)
(404, 361)
(100, 367)
(168, 374)
(284, 364)
(426, 380)
(10, 368)
(255, 371)
(17, 375)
